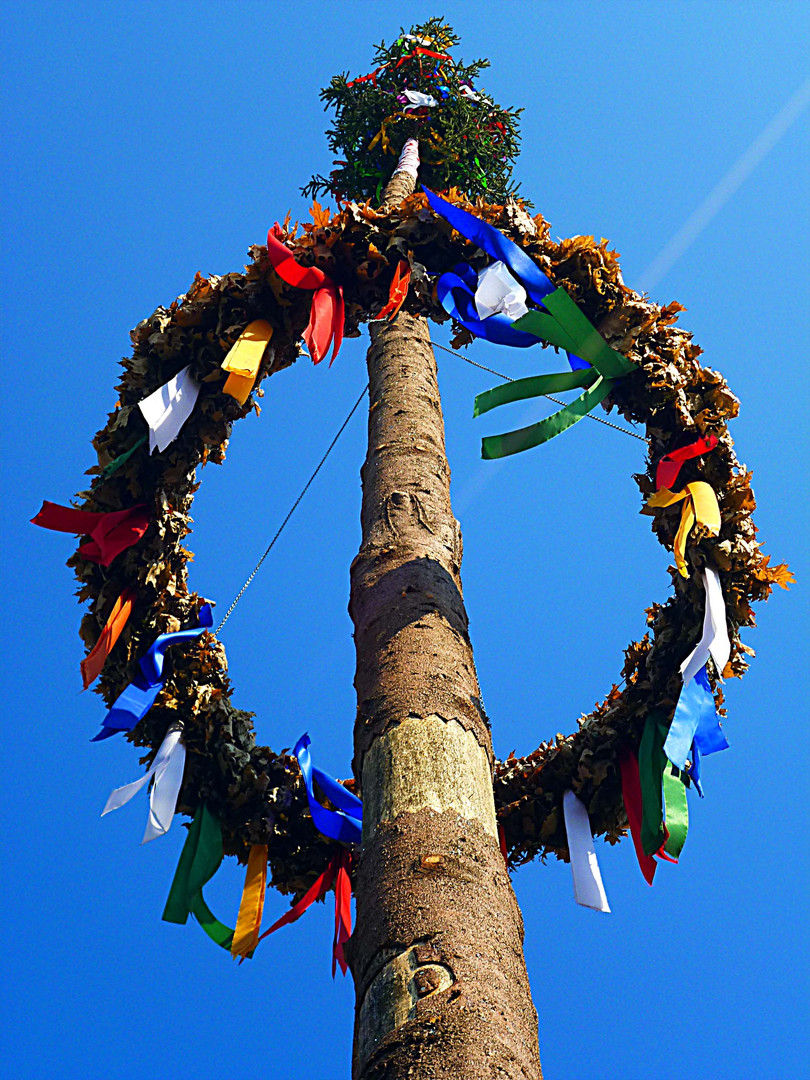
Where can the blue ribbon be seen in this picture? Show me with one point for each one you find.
(456, 289)
(345, 823)
(694, 770)
(135, 701)
(456, 292)
(695, 720)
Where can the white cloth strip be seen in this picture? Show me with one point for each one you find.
(588, 888)
(416, 100)
(168, 408)
(499, 291)
(167, 770)
(714, 640)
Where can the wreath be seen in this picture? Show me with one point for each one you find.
(198, 366)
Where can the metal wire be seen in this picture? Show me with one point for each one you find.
(589, 416)
(304, 490)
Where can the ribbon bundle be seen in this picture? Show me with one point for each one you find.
(486, 304)
(202, 855)
(110, 533)
(325, 325)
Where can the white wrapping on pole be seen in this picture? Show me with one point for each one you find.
(409, 159)
(588, 888)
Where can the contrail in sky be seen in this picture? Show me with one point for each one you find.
(726, 188)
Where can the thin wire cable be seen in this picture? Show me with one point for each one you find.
(557, 401)
(304, 490)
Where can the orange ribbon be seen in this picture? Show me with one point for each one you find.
(400, 283)
(700, 506)
(246, 934)
(326, 317)
(94, 661)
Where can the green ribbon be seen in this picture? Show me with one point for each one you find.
(512, 442)
(651, 764)
(199, 861)
(677, 811)
(533, 386)
(116, 463)
(564, 325)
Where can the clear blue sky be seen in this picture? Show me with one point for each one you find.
(151, 140)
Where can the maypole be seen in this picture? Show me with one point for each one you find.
(425, 829)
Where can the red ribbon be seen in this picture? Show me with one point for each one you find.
(337, 872)
(419, 51)
(365, 78)
(400, 284)
(110, 533)
(343, 909)
(502, 844)
(327, 314)
(670, 464)
(631, 794)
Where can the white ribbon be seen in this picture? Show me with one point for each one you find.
(714, 641)
(499, 291)
(409, 158)
(417, 100)
(588, 888)
(468, 92)
(167, 769)
(168, 408)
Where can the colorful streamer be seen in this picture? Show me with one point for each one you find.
(631, 796)
(116, 621)
(343, 824)
(110, 533)
(513, 442)
(326, 318)
(564, 325)
(343, 909)
(251, 908)
(317, 891)
(199, 860)
(117, 462)
(676, 811)
(137, 699)
(243, 359)
(498, 293)
(651, 764)
(400, 284)
(695, 720)
(700, 506)
(456, 290)
(338, 872)
(588, 888)
(714, 639)
(167, 770)
(666, 474)
(168, 408)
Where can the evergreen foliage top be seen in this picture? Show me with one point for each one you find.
(465, 139)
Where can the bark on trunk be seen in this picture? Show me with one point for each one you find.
(437, 952)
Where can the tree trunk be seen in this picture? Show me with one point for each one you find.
(437, 952)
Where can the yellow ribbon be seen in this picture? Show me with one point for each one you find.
(700, 506)
(243, 359)
(246, 934)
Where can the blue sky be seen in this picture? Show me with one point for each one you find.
(148, 141)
